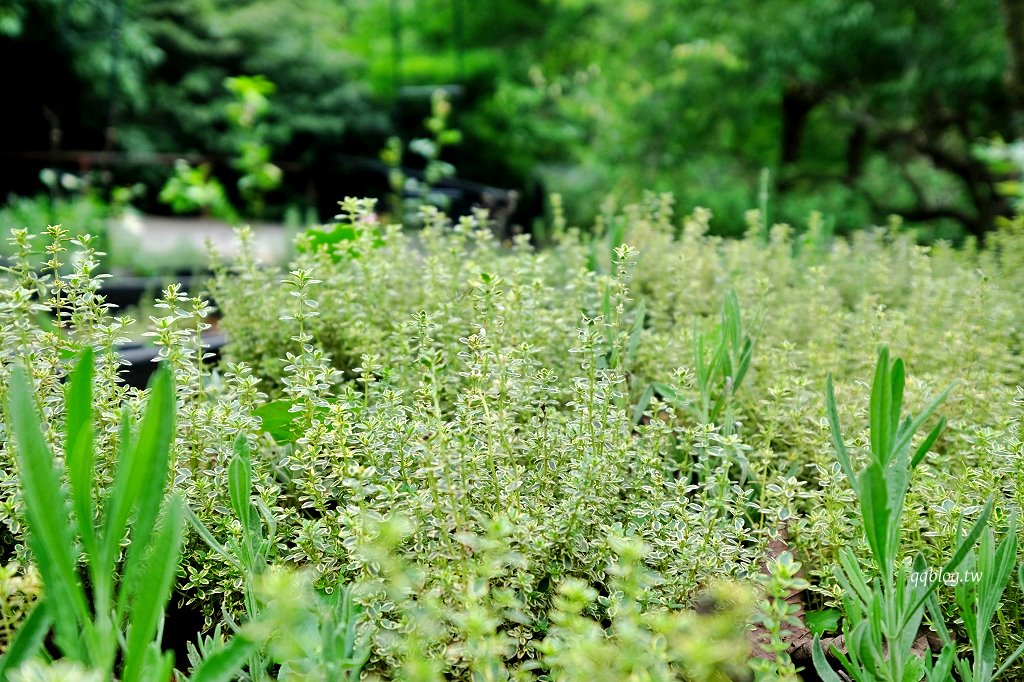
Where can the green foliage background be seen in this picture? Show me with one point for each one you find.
(857, 109)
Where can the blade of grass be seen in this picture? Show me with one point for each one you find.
(907, 433)
(642, 403)
(928, 442)
(211, 541)
(837, 435)
(881, 412)
(153, 445)
(1009, 661)
(78, 457)
(50, 534)
(147, 609)
(897, 383)
(635, 332)
(240, 479)
(28, 640)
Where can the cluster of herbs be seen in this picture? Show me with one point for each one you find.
(430, 456)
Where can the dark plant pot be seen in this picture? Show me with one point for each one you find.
(127, 291)
(141, 358)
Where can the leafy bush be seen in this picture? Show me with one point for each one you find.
(466, 434)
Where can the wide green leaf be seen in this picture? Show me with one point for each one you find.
(821, 666)
(825, 620)
(877, 515)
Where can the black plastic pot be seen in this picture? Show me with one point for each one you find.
(126, 291)
(141, 358)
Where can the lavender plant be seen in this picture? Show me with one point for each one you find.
(115, 624)
(884, 613)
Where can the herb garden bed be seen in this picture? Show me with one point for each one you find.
(440, 457)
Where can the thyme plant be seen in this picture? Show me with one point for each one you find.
(460, 438)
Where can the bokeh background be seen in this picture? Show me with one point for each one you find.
(858, 110)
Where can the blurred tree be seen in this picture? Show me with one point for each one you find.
(856, 108)
(863, 108)
(147, 75)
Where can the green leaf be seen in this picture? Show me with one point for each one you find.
(935, 612)
(160, 568)
(821, 666)
(744, 364)
(225, 663)
(928, 442)
(634, 335)
(897, 382)
(958, 556)
(881, 412)
(837, 435)
(1009, 661)
(50, 531)
(907, 431)
(78, 456)
(642, 403)
(143, 478)
(333, 238)
(825, 620)
(240, 479)
(28, 640)
(278, 419)
(874, 504)
(853, 574)
(211, 541)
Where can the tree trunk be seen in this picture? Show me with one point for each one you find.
(1013, 25)
(856, 150)
(797, 103)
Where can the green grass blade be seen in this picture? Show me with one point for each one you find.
(943, 664)
(151, 455)
(140, 481)
(78, 456)
(906, 433)
(1009, 661)
(851, 578)
(897, 382)
(996, 568)
(881, 402)
(147, 609)
(938, 620)
(50, 532)
(28, 640)
(642, 403)
(837, 434)
(928, 442)
(240, 480)
(743, 364)
(211, 541)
